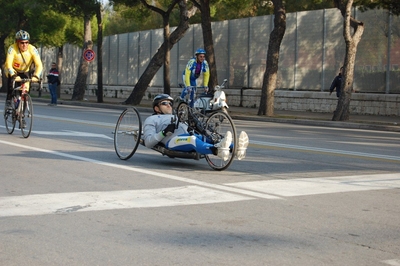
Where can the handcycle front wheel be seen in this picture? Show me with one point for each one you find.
(26, 116)
(217, 125)
(9, 118)
(128, 132)
(183, 112)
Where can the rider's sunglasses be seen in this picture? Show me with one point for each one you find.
(166, 103)
(23, 42)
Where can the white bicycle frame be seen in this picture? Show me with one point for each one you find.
(217, 102)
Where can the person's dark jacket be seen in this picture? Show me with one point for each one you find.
(337, 83)
(52, 77)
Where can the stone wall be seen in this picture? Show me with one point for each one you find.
(361, 103)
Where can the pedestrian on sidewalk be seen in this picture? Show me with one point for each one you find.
(337, 83)
(53, 81)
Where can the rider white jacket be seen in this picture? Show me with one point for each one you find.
(153, 127)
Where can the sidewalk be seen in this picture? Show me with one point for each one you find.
(371, 122)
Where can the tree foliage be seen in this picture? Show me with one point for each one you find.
(44, 25)
(392, 5)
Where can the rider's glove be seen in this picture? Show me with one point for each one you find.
(17, 78)
(35, 79)
(169, 130)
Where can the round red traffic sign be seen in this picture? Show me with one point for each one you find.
(89, 55)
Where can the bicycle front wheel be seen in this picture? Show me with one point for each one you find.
(217, 125)
(26, 116)
(128, 132)
(9, 118)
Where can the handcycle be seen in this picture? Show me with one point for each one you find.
(20, 109)
(212, 128)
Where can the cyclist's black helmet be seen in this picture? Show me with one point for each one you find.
(161, 97)
(22, 35)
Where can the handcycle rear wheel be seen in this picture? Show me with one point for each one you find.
(128, 132)
(9, 118)
(217, 125)
(26, 116)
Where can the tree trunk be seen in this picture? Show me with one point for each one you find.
(60, 57)
(3, 60)
(208, 41)
(271, 71)
(167, 56)
(83, 70)
(99, 54)
(342, 112)
(158, 59)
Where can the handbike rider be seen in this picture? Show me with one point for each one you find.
(20, 57)
(160, 128)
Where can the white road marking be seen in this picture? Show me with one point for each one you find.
(112, 200)
(305, 148)
(395, 262)
(313, 186)
(71, 133)
(88, 122)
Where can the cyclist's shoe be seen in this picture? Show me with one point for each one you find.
(8, 110)
(223, 146)
(23, 124)
(242, 145)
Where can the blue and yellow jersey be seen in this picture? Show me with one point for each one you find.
(20, 62)
(190, 75)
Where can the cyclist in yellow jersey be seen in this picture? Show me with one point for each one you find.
(20, 57)
(196, 65)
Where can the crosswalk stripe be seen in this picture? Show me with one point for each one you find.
(313, 186)
(42, 204)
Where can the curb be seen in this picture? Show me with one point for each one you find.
(320, 123)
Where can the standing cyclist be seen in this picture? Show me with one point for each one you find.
(195, 66)
(20, 57)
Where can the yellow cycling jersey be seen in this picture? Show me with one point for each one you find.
(190, 76)
(17, 62)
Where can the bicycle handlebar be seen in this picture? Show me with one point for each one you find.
(23, 80)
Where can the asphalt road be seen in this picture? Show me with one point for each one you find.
(304, 195)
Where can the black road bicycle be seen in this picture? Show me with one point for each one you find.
(20, 109)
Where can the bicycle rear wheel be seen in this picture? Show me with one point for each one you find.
(217, 125)
(128, 132)
(9, 118)
(26, 116)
